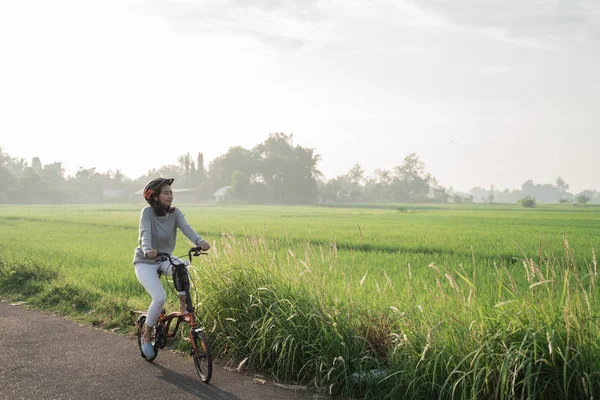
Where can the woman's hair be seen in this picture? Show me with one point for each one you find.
(158, 208)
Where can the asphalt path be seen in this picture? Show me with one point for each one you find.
(46, 356)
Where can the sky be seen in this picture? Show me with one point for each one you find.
(491, 92)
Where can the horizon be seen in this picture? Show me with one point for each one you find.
(71, 174)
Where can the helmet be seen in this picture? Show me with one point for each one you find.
(153, 187)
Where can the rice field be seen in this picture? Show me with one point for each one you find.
(390, 301)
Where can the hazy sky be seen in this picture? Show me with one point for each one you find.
(485, 92)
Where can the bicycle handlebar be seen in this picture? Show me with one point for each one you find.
(193, 252)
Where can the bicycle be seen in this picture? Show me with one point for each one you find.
(162, 332)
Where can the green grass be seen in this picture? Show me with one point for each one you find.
(380, 301)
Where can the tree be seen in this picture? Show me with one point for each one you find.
(185, 162)
(240, 184)
(54, 176)
(407, 182)
(562, 186)
(545, 193)
(528, 187)
(20, 182)
(200, 167)
(33, 188)
(7, 180)
(355, 178)
(337, 189)
(119, 176)
(88, 185)
(479, 193)
(221, 169)
(36, 164)
(383, 176)
(16, 167)
(289, 172)
(4, 158)
(410, 182)
(592, 195)
(582, 199)
(380, 190)
(438, 194)
(165, 171)
(356, 174)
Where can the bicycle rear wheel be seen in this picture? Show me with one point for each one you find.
(141, 326)
(201, 355)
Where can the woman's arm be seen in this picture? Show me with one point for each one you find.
(146, 230)
(186, 228)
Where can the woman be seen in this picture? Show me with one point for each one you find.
(158, 233)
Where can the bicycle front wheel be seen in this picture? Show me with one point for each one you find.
(201, 355)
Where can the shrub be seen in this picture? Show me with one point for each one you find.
(528, 202)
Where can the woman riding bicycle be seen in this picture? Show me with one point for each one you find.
(158, 233)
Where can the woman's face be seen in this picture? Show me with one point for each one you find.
(165, 197)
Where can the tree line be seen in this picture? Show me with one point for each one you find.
(276, 171)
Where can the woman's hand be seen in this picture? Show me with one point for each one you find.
(204, 245)
(150, 254)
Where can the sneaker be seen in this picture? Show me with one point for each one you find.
(148, 350)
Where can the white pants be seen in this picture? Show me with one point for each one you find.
(147, 274)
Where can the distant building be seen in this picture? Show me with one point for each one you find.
(220, 194)
(112, 191)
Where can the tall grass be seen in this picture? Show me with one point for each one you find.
(519, 332)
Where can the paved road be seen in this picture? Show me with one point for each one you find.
(44, 356)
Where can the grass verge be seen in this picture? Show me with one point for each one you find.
(525, 330)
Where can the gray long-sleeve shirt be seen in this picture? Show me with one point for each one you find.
(160, 233)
